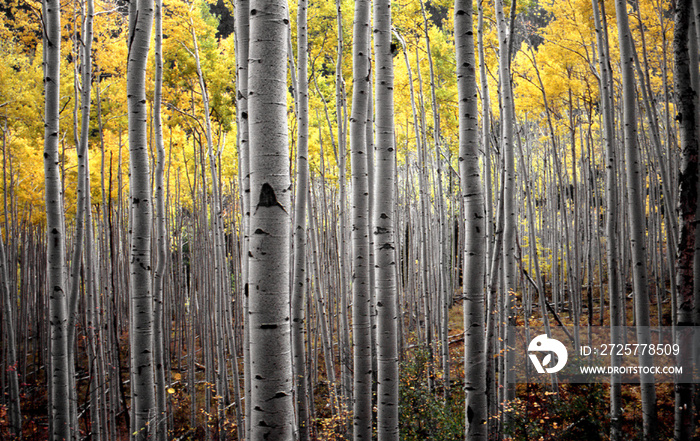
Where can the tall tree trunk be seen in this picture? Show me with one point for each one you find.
(473, 221)
(141, 332)
(272, 415)
(299, 285)
(635, 206)
(242, 29)
(362, 357)
(509, 215)
(85, 209)
(384, 236)
(161, 427)
(611, 202)
(59, 381)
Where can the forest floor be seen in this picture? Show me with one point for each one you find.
(430, 407)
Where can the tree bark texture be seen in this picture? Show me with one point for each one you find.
(141, 210)
(473, 221)
(384, 213)
(59, 380)
(272, 399)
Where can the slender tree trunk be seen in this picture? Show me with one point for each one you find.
(635, 206)
(341, 155)
(161, 427)
(362, 357)
(473, 221)
(141, 333)
(384, 237)
(611, 217)
(509, 225)
(272, 401)
(84, 166)
(299, 285)
(242, 28)
(59, 381)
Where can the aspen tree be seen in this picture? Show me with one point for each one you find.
(272, 414)
(509, 216)
(161, 426)
(611, 218)
(635, 207)
(362, 359)
(341, 159)
(299, 285)
(473, 221)
(141, 210)
(384, 213)
(59, 381)
(242, 29)
(85, 209)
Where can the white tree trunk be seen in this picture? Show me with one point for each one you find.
(384, 214)
(242, 29)
(635, 207)
(59, 381)
(299, 286)
(141, 333)
(362, 357)
(509, 215)
(161, 427)
(611, 220)
(475, 241)
(272, 415)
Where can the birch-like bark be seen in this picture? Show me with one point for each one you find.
(509, 218)
(141, 332)
(161, 426)
(59, 381)
(362, 357)
(635, 206)
(85, 210)
(299, 285)
(473, 221)
(341, 158)
(611, 201)
(242, 29)
(485, 136)
(272, 414)
(384, 213)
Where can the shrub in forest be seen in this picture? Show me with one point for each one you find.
(579, 411)
(426, 414)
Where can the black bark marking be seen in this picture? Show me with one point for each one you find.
(268, 326)
(279, 395)
(268, 198)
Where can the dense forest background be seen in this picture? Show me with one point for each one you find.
(549, 177)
